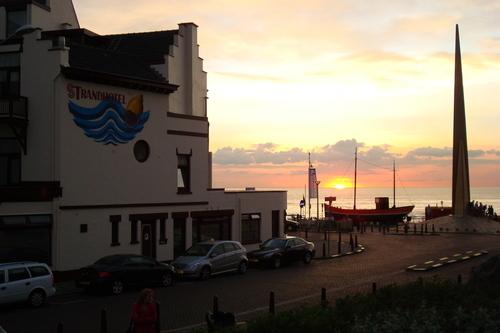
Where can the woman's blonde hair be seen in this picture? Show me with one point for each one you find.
(143, 296)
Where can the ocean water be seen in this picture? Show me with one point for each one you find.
(365, 198)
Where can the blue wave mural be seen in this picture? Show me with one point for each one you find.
(109, 122)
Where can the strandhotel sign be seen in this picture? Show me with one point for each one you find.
(109, 121)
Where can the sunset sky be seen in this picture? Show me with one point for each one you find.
(290, 77)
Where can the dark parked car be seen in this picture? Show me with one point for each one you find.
(114, 273)
(277, 251)
(291, 225)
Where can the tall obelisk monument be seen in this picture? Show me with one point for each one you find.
(461, 187)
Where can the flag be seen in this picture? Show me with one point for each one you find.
(313, 193)
(302, 202)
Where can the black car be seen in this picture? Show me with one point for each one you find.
(114, 273)
(277, 251)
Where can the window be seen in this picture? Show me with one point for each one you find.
(10, 162)
(230, 247)
(38, 271)
(141, 151)
(250, 228)
(83, 228)
(2, 277)
(183, 173)
(15, 20)
(16, 274)
(218, 250)
(216, 228)
(115, 231)
(133, 232)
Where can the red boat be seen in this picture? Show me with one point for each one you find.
(382, 213)
(389, 215)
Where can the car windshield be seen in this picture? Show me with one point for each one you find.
(274, 243)
(198, 250)
(111, 260)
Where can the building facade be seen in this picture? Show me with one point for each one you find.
(104, 144)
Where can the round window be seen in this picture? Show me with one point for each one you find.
(141, 151)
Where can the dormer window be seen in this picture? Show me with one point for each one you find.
(15, 20)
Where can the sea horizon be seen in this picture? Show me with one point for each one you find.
(420, 197)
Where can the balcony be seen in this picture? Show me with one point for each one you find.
(30, 191)
(14, 113)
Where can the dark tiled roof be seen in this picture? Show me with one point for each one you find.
(128, 55)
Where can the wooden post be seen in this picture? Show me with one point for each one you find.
(414, 228)
(421, 229)
(216, 305)
(104, 322)
(351, 242)
(339, 244)
(271, 303)
(371, 227)
(397, 228)
(425, 228)
(433, 229)
(374, 287)
(356, 241)
(323, 297)
(324, 250)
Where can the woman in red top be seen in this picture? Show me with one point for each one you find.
(145, 313)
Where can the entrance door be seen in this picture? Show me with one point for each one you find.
(179, 236)
(276, 223)
(148, 240)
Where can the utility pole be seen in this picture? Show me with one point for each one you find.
(317, 199)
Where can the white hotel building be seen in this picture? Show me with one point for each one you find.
(104, 144)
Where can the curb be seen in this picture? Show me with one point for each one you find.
(357, 250)
(457, 257)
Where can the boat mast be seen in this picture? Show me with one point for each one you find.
(355, 174)
(394, 183)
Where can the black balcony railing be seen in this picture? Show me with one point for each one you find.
(14, 107)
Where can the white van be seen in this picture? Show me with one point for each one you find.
(30, 282)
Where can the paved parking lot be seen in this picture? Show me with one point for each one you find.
(184, 305)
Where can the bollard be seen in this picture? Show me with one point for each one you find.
(104, 322)
(379, 227)
(271, 303)
(406, 228)
(433, 230)
(383, 230)
(339, 244)
(421, 229)
(351, 242)
(356, 241)
(59, 328)
(374, 287)
(371, 227)
(414, 228)
(397, 228)
(325, 235)
(459, 279)
(323, 297)
(328, 249)
(216, 305)
(425, 228)
(324, 250)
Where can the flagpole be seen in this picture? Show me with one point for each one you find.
(309, 186)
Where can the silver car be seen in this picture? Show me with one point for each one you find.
(212, 257)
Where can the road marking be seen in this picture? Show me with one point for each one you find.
(465, 257)
(451, 261)
(437, 265)
(443, 258)
(478, 254)
(469, 252)
(410, 267)
(428, 262)
(457, 254)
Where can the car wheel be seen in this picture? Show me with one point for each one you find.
(37, 298)
(116, 287)
(205, 273)
(167, 280)
(276, 262)
(307, 257)
(242, 268)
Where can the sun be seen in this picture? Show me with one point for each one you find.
(339, 183)
(339, 186)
